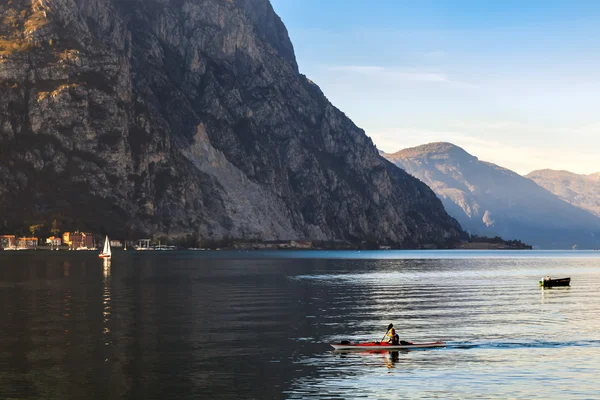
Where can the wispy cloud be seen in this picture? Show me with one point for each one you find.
(359, 69)
(492, 125)
(400, 74)
(588, 131)
(580, 132)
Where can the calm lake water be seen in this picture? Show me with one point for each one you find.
(202, 325)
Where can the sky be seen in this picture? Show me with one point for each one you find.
(516, 83)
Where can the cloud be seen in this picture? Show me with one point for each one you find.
(359, 69)
(406, 75)
(589, 131)
(399, 74)
(492, 125)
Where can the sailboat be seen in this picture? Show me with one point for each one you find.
(106, 253)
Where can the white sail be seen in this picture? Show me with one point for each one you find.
(106, 250)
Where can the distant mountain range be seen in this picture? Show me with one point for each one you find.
(490, 200)
(582, 191)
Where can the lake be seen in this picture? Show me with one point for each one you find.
(256, 325)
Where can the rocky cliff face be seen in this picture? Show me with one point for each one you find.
(490, 200)
(582, 191)
(180, 116)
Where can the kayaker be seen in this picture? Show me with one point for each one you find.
(394, 338)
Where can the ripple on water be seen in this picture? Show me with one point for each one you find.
(186, 326)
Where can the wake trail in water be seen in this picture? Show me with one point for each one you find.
(523, 344)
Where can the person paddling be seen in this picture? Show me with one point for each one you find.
(394, 338)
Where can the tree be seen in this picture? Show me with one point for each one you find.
(54, 230)
(34, 228)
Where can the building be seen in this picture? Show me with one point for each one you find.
(67, 239)
(27, 243)
(277, 244)
(81, 241)
(301, 244)
(116, 243)
(53, 241)
(8, 242)
(143, 244)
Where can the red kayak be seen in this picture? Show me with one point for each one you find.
(384, 345)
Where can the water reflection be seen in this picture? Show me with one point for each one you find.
(387, 358)
(163, 326)
(106, 301)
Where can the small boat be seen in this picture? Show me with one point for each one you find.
(106, 253)
(164, 248)
(547, 282)
(345, 345)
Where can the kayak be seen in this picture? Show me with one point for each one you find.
(384, 346)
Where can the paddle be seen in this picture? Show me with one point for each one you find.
(390, 326)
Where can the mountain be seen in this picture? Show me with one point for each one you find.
(582, 191)
(172, 117)
(490, 200)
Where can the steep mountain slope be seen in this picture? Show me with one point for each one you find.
(582, 191)
(180, 116)
(490, 200)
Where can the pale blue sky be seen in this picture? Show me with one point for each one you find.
(516, 83)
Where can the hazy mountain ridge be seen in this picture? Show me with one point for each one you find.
(582, 191)
(179, 116)
(491, 200)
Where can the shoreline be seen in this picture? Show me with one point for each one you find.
(298, 250)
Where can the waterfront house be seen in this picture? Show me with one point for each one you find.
(67, 239)
(54, 241)
(277, 244)
(143, 244)
(27, 243)
(81, 241)
(8, 242)
(301, 244)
